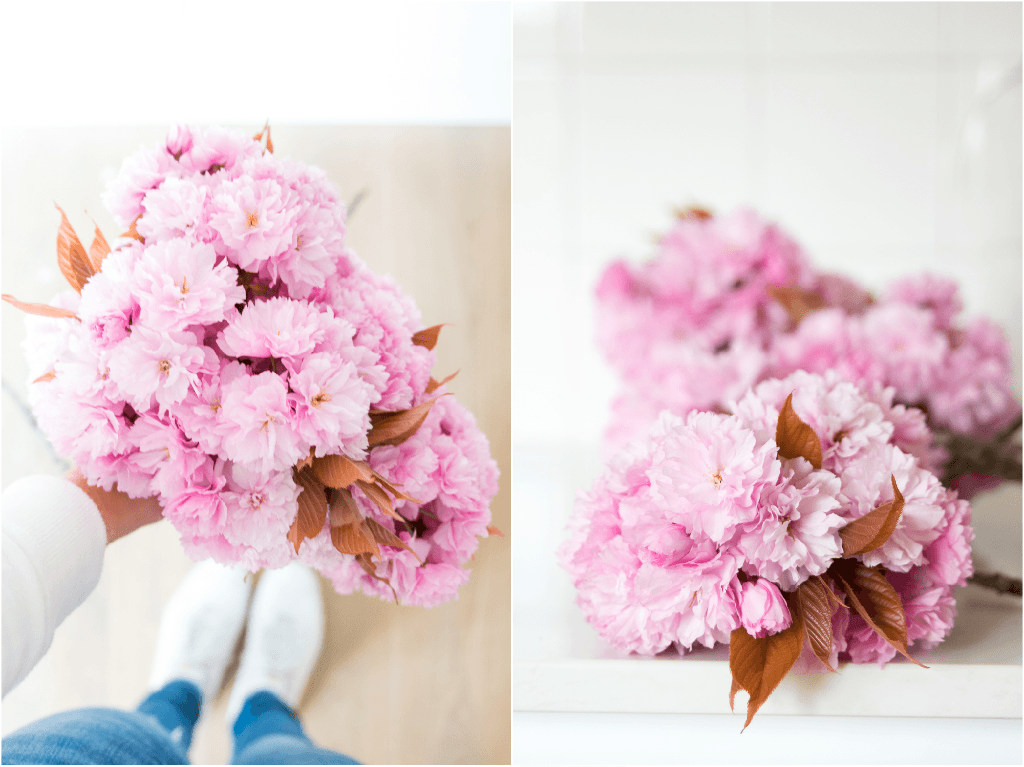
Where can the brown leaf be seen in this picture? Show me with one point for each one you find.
(344, 510)
(259, 137)
(340, 471)
(873, 529)
(307, 461)
(371, 569)
(43, 310)
(393, 489)
(876, 601)
(353, 539)
(797, 302)
(795, 438)
(385, 537)
(816, 614)
(72, 259)
(312, 509)
(427, 337)
(492, 530)
(395, 428)
(46, 376)
(758, 665)
(376, 494)
(433, 385)
(133, 232)
(98, 250)
(368, 566)
(699, 214)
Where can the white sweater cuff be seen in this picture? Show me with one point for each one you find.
(53, 544)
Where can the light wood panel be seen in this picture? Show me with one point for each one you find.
(394, 684)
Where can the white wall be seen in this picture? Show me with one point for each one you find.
(885, 137)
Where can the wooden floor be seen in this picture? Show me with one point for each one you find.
(394, 684)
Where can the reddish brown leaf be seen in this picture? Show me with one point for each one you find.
(758, 665)
(433, 385)
(371, 569)
(133, 232)
(816, 614)
(98, 250)
(797, 302)
(427, 337)
(732, 694)
(877, 602)
(376, 494)
(344, 510)
(312, 509)
(259, 137)
(492, 530)
(352, 539)
(393, 489)
(873, 529)
(46, 376)
(307, 461)
(71, 256)
(43, 310)
(795, 438)
(385, 537)
(395, 428)
(368, 566)
(699, 214)
(340, 471)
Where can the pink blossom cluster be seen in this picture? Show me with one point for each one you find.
(234, 337)
(697, 325)
(699, 529)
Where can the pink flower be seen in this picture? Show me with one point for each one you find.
(214, 151)
(931, 292)
(261, 508)
(949, 555)
(198, 510)
(109, 305)
(710, 472)
(276, 327)
(258, 423)
(796, 531)
(165, 454)
(179, 284)
(331, 404)
(159, 365)
(255, 220)
(179, 208)
(763, 610)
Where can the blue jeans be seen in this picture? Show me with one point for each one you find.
(159, 731)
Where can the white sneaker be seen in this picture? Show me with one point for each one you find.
(200, 626)
(283, 638)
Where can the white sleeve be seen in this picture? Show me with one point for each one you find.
(53, 544)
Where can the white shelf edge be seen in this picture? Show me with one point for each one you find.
(702, 687)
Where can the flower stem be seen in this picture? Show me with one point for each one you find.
(997, 582)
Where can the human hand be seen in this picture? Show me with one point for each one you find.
(121, 514)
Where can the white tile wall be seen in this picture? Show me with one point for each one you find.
(885, 137)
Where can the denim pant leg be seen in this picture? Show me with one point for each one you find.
(92, 736)
(158, 732)
(268, 732)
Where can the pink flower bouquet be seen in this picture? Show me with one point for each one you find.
(234, 358)
(802, 527)
(729, 301)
